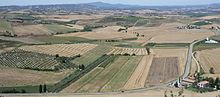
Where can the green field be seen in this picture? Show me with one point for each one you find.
(89, 76)
(98, 82)
(167, 45)
(60, 28)
(121, 77)
(7, 44)
(5, 26)
(92, 55)
(202, 45)
(62, 40)
(201, 23)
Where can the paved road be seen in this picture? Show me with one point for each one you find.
(188, 64)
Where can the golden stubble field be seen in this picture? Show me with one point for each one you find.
(168, 33)
(32, 30)
(19, 77)
(208, 59)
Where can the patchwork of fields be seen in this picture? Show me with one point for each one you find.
(119, 73)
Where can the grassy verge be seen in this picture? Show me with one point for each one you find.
(166, 45)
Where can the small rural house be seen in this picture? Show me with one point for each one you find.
(203, 84)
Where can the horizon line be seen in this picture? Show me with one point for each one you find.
(152, 5)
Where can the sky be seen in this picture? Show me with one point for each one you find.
(131, 2)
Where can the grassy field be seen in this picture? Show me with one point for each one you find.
(5, 26)
(60, 28)
(61, 40)
(92, 55)
(105, 76)
(166, 45)
(88, 77)
(201, 23)
(7, 44)
(203, 46)
(122, 76)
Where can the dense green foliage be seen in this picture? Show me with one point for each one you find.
(201, 23)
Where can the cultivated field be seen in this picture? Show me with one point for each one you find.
(119, 80)
(5, 26)
(28, 60)
(168, 33)
(107, 77)
(104, 77)
(92, 55)
(139, 76)
(20, 77)
(69, 17)
(32, 30)
(180, 53)
(163, 69)
(110, 32)
(67, 50)
(208, 59)
(121, 50)
(59, 28)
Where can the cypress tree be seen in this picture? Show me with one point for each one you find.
(40, 89)
(45, 88)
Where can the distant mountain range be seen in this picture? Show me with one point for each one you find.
(103, 6)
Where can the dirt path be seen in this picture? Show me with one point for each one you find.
(137, 80)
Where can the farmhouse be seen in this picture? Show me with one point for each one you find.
(210, 41)
(203, 84)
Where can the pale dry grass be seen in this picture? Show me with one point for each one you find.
(110, 32)
(70, 17)
(74, 26)
(210, 58)
(67, 50)
(210, 17)
(139, 76)
(168, 33)
(17, 77)
(31, 30)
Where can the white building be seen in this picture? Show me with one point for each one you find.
(203, 84)
(210, 41)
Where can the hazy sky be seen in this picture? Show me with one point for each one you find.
(136, 2)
